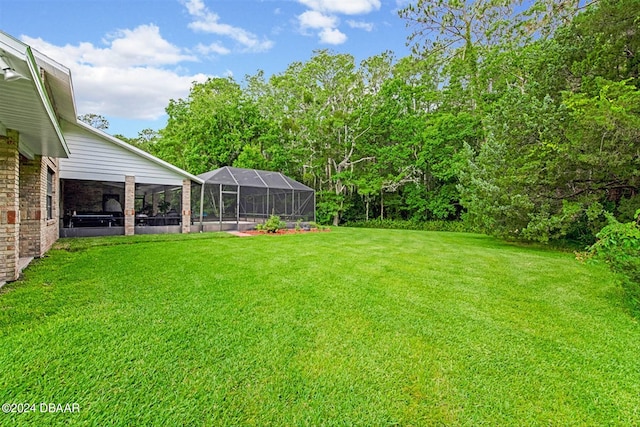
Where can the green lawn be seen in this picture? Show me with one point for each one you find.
(352, 327)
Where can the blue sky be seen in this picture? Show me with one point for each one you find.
(129, 57)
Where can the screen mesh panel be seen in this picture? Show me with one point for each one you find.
(253, 195)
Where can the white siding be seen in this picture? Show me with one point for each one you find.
(99, 159)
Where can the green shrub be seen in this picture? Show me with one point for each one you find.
(273, 224)
(618, 245)
(320, 227)
(399, 224)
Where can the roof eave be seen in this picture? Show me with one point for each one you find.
(46, 103)
(51, 141)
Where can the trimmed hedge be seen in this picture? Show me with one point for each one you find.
(398, 224)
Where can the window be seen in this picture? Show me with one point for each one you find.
(49, 194)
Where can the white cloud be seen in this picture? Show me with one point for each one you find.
(332, 36)
(322, 16)
(140, 93)
(209, 22)
(141, 46)
(126, 78)
(125, 48)
(346, 7)
(195, 7)
(212, 48)
(325, 25)
(361, 25)
(315, 20)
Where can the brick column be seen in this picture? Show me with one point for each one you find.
(9, 206)
(129, 205)
(186, 206)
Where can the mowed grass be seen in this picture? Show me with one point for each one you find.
(351, 327)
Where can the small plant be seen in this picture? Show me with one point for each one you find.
(273, 224)
(313, 224)
(298, 226)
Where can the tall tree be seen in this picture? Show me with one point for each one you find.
(563, 135)
(324, 99)
(210, 128)
(273, 149)
(95, 120)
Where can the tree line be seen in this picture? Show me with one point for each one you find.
(523, 122)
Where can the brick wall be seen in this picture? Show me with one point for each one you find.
(82, 196)
(50, 227)
(38, 232)
(31, 206)
(9, 206)
(87, 196)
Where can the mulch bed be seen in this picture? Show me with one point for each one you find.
(285, 231)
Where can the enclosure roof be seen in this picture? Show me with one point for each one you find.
(252, 178)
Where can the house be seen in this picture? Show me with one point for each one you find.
(108, 187)
(61, 177)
